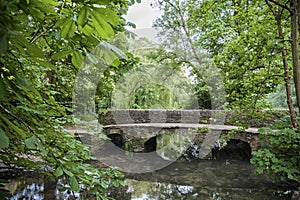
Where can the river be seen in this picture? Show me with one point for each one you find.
(204, 179)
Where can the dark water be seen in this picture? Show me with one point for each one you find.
(183, 180)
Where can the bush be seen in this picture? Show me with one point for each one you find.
(279, 157)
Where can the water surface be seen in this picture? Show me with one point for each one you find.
(181, 180)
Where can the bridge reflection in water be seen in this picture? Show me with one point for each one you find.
(196, 180)
(202, 180)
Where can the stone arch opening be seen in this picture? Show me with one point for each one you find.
(150, 145)
(117, 139)
(234, 150)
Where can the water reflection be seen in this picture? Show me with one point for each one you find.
(182, 180)
(141, 190)
(202, 180)
(33, 186)
(144, 190)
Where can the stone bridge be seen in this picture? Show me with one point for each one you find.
(143, 130)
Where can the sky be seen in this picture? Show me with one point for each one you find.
(143, 15)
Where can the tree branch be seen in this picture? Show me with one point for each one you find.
(185, 29)
(271, 8)
(17, 118)
(280, 5)
(36, 37)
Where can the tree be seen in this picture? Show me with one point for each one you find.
(42, 46)
(278, 18)
(195, 83)
(180, 42)
(109, 80)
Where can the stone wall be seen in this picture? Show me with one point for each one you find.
(259, 119)
(138, 137)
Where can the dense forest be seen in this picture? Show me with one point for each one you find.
(62, 60)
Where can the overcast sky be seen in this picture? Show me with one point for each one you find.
(142, 14)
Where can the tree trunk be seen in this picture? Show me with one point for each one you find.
(287, 78)
(294, 44)
(277, 15)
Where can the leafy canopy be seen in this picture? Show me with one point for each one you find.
(43, 43)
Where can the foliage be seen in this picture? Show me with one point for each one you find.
(109, 80)
(278, 97)
(149, 82)
(180, 49)
(253, 43)
(245, 50)
(279, 157)
(202, 129)
(42, 46)
(197, 84)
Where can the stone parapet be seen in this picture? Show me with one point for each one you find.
(256, 119)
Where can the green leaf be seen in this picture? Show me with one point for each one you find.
(68, 29)
(101, 26)
(36, 13)
(116, 183)
(74, 184)
(34, 50)
(46, 65)
(88, 29)
(115, 63)
(4, 140)
(35, 111)
(104, 184)
(62, 21)
(61, 54)
(93, 40)
(70, 174)
(30, 143)
(21, 80)
(101, 2)
(58, 172)
(123, 183)
(15, 128)
(108, 15)
(3, 90)
(110, 57)
(3, 41)
(50, 2)
(77, 59)
(83, 16)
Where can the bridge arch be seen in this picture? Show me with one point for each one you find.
(150, 145)
(117, 139)
(235, 149)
